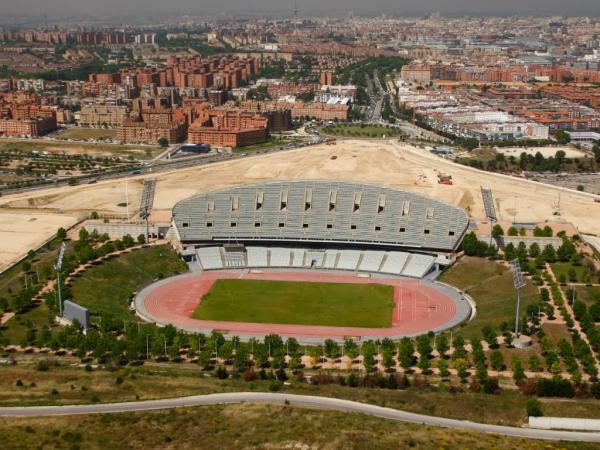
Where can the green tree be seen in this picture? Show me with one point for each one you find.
(497, 360)
(61, 234)
(518, 372)
(497, 231)
(443, 368)
(512, 231)
(462, 367)
(441, 344)
(534, 250)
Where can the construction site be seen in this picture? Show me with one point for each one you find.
(29, 219)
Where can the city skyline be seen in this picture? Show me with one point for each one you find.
(109, 8)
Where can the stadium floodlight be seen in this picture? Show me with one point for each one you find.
(58, 268)
(518, 283)
(490, 209)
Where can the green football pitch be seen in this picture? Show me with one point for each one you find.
(300, 303)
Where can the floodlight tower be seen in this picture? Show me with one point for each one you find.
(518, 283)
(58, 268)
(144, 214)
(490, 209)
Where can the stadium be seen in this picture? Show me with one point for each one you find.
(312, 260)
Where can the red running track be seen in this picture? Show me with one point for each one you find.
(418, 308)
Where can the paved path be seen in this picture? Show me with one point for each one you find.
(298, 400)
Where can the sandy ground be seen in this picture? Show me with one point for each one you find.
(22, 231)
(570, 152)
(386, 163)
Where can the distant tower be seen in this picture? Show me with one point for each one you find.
(295, 12)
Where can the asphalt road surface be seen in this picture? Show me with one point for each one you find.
(298, 400)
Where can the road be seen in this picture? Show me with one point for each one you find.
(298, 400)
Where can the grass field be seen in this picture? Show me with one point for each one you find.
(588, 294)
(106, 289)
(72, 148)
(367, 131)
(329, 304)
(86, 133)
(249, 426)
(582, 273)
(489, 283)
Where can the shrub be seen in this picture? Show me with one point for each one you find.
(274, 385)
(491, 386)
(534, 408)
(222, 373)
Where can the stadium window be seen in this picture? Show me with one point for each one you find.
(307, 199)
(381, 204)
(208, 224)
(429, 213)
(353, 227)
(256, 224)
(402, 230)
(233, 224)
(283, 201)
(329, 226)
(304, 225)
(259, 200)
(210, 206)
(377, 228)
(185, 224)
(357, 199)
(406, 208)
(235, 202)
(426, 231)
(450, 233)
(332, 200)
(281, 224)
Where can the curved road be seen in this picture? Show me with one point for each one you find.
(298, 400)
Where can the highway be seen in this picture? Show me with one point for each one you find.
(309, 401)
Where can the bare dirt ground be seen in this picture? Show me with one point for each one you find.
(21, 231)
(570, 152)
(387, 163)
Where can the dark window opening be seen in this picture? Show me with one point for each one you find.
(426, 231)
(450, 233)
(304, 225)
(256, 224)
(281, 224)
(377, 228)
(353, 227)
(185, 224)
(329, 226)
(402, 230)
(208, 224)
(233, 224)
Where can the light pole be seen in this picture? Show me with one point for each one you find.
(58, 268)
(518, 283)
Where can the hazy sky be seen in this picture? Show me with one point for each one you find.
(399, 7)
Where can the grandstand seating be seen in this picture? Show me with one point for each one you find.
(280, 257)
(210, 258)
(257, 257)
(394, 263)
(320, 212)
(371, 261)
(348, 259)
(418, 265)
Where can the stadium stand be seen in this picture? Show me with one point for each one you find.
(257, 257)
(418, 265)
(298, 258)
(210, 258)
(320, 212)
(314, 258)
(330, 260)
(371, 261)
(394, 263)
(280, 257)
(348, 259)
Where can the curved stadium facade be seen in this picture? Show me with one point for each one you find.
(321, 213)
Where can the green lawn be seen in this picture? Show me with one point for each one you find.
(362, 130)
(582, 273)
(106, 289)
(87, 133)
(490, 284)
(588, 294)
(329, 304)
